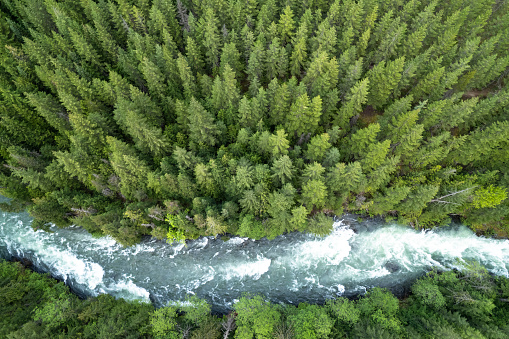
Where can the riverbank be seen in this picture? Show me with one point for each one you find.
(468, 303)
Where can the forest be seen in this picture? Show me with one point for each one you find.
(450, 304)
(178, 119)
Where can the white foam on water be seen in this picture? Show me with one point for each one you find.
(248, 269)
(235, 241)
(126, 289)
(192, 285)
(141, 248)
(331, 250)
(62, 258)
(200, 243)
(414, 251)
(176, 250)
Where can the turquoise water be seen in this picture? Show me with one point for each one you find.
(290, 269)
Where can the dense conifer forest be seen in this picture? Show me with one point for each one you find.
(254, 117)
(470, 304)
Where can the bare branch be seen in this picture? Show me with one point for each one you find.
(439, 200)
(228, 325)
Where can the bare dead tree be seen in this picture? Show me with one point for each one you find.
(440, 201)
(224, 30)
(228, 325)
(185, 329)
(82, 211)
(184, 17)
(304, 138)
(284, 331)
(156, 213)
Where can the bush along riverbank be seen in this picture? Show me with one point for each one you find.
(450, 304)
(189, 118)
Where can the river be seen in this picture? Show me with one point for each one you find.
(291, 268)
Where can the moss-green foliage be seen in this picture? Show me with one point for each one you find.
(218, 105)
(453, 304)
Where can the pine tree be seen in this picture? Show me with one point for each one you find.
(325, 39)
(375, 155)
(314, 194)
(361, 140)
(298, 57)
(489, 108)
(283, 169)
(286, 25)
(280, 104)
(147, 138)
(230, 88)
(386, 202)
(350, 77)
(304, 115)
(481, 143)
(194, 56)
(278, 143)
(245, 115)
(318, 147)
(154, 78)
(276, 60)
(163, 15)
(381, 175)
(432, 152)
(322, 75)
(428, 82)
(353, 105)
(50, 109)
(131, 170)
(255, 66)
(203, 130)
(186, 76)
(409, 142)
(411, 207)
(383, 78)
(313, 171)
(390, 41)
(230, 57)
(397, 109)
(210, 37)
(412, 45)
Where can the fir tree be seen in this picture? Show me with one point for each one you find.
(203, 130)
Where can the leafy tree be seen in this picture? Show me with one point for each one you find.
(381, 306)
(163, 322)
(344, 311)
(311, 321)
(255, 317)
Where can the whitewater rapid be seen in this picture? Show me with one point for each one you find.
(291, 268)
